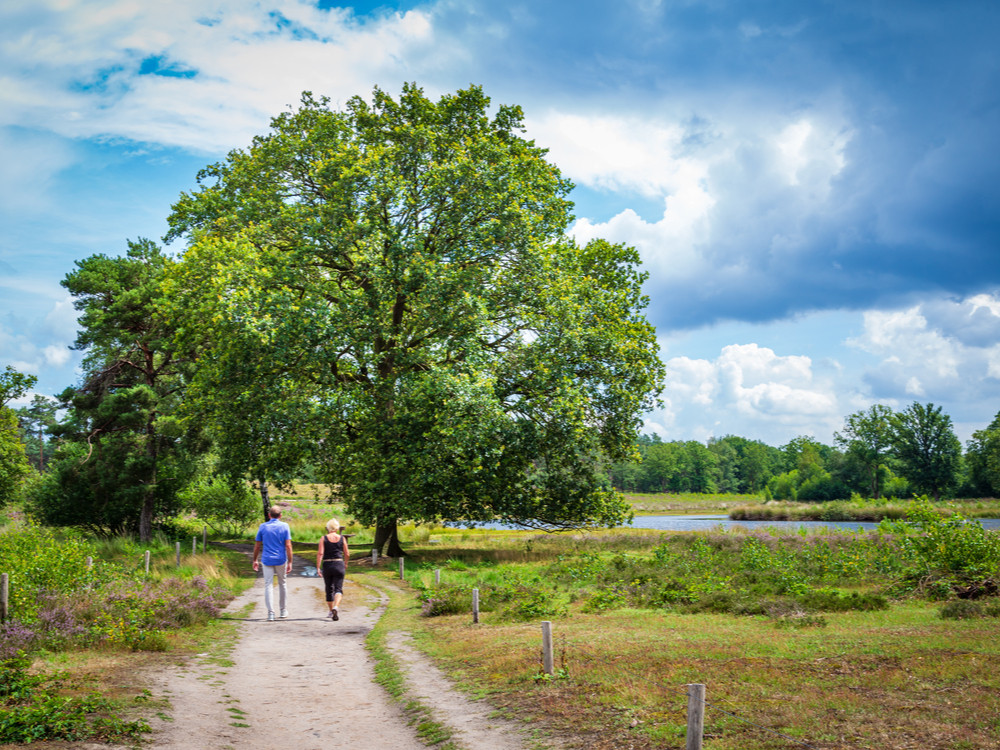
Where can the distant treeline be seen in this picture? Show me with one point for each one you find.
(878, 453)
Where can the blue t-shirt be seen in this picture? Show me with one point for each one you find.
(273, 534)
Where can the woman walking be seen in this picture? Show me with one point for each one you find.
(331, 558)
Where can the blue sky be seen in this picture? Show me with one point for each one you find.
(814, 187)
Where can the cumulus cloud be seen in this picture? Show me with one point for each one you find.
(204, 77)
(747, 390)
(40, 344)
(742, 208)
(941, 350)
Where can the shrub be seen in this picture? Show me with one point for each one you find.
(228, 508)
(446, 600)
(966, 609)
(947, 555)
(825, 600)
(36, 559)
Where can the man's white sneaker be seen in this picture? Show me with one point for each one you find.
(284, 614)
(270, 616)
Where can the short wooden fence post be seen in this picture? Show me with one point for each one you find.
(3, 597)
(90, 563)
(547, 663)
(475, 605)
(178, 549)
(696, 716)
(374, 557)
(146, 556)
(437, 576)
(401, 569)
(204, 538)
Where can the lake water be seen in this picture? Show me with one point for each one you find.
(708, 522)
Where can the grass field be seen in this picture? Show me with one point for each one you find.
(895, 675)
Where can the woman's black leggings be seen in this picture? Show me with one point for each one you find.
(333, 577)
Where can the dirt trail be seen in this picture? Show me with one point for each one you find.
(308, 681)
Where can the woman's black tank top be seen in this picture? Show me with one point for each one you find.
(333, 550)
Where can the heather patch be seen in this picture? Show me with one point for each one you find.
(59, 602)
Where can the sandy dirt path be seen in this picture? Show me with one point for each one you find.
(308, 682)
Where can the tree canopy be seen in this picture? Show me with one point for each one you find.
(14, 466)
(121, 464)
(926, 447)
(398, 274)
(867, 437)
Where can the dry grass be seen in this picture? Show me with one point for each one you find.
(893, 680)
(687, 502)
(902, 679)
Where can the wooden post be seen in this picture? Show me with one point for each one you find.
(204, 538)
(90, 563)
(374, 556)
(696, 716)
(401, 569)
(194, 546)
(547, 663)
(437, 576)
(147, 561)
(3, 597)
(475, 605)
(178, 554)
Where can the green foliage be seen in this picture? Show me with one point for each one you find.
(37, 559)
(970, 609)
(228, 508)
(33, 710)
(128, 459)
(926, 448)
(983, 457)
(102, 490)
(946, 556)
(14, 384)
(14, 466)
(36, 422)
(393, 286)
(122, 609)
(867, 439)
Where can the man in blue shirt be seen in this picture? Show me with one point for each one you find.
(273, 549)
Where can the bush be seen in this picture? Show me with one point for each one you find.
(966, 609)
(229, 509)
(31, 710)
(36, 560)
(825, 600)
(947, 555)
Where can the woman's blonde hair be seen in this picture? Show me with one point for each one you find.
(332, 525)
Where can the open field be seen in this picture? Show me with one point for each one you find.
(821, 639)
(891, 674)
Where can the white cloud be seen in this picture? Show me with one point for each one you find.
(941, 349)
(73, 67)
(747, 390)
(744, 191)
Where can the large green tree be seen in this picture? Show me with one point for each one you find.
(14, 466)
(36, 421)
(926, 447)
(983, 458)
(127, 461)
(867, 438)
(406, 262)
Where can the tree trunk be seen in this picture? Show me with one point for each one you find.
(385, 532)
(265, 500)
